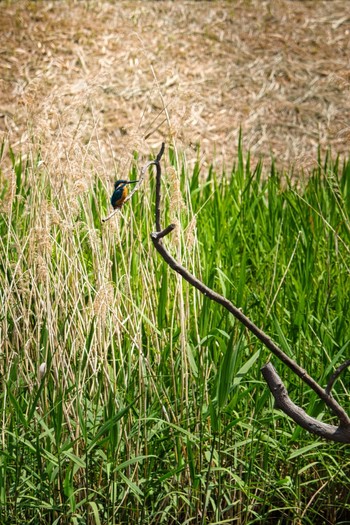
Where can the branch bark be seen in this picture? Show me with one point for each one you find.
(321, 429)
(283, 402)
(335, 376)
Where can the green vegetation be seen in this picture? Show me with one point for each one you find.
(153, 408)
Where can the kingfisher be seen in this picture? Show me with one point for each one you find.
(120, 192)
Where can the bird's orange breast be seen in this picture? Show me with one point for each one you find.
(119, 202)
(125, 193)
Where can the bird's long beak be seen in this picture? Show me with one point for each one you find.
(131, 181)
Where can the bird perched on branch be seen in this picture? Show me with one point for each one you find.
(120, 192)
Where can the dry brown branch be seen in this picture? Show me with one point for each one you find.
(335, 376)
(110, 215)
(283, 402)
(341, 433)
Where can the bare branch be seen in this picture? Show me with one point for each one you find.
(158, 187)
(236, 312)
(140, 181)
(283, 402)
(335, 376)
(110, 215)
(159, 235)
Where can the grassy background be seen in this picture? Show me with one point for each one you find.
(153, 408)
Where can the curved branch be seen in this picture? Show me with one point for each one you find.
(340, 434)
(335, 376)
(214, 296)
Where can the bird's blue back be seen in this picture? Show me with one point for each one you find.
(117, 195)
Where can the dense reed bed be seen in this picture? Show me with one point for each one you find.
(127, 397)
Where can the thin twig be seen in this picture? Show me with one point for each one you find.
(335, 376)
(111, 215)
(163, 233)
(140, 180)
(158, 187)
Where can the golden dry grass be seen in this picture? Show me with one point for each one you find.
(92, 81)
